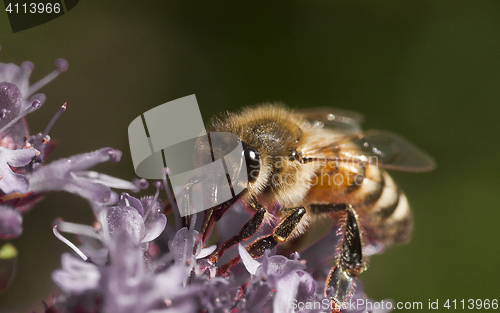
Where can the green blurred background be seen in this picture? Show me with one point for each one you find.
(427, 70)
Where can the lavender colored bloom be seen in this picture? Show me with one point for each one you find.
(19, 76)
(279, 284)
(132, 287)
(143, 220)
(279, 278)
(71, 175)
(181, 246)
(11, 222)
(182, 281)
(125, 283)
(201, 291)
(23, 178)
(9, 181)
(142, 225)
(76, 276)
(10, 102)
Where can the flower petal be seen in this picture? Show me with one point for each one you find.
(250, 264)
(128, 284)
(307, 287)
(62, 175)
(206, 252)
(11, 222)
(128, 200)
(182, 245)
(170, 281)
(13, 137)
(128, 219)
(286, 288)
(107, 180)
(87, 189)
(10, 102)
(17, 75)
(9, 181)
(76, 276)
(155, 228)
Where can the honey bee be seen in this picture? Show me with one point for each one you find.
(319, 163)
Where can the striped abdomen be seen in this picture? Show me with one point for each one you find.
(387, 215)
(381, 206)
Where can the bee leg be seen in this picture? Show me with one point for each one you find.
(281, 233)
(350, 263)
(247, 231)
(214, 215)
(206, 225)
(318, 209)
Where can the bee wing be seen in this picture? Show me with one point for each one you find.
(341, 120)
(380, 148)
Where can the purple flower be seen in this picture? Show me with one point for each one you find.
(76, 276)
(130, 286)
(180, 279)
(125, 283)
(23, 177)
(279, 284)
(181, 246)
(201, 290)
(16, 100)
(9, 181)
(10, 107)
(142, 224)
(130, 215)
(71, 175)
(11, 222)
(19, 76)
(279, 278)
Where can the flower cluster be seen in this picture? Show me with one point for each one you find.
(180, 279)
(134, 261)
(131, 259)
(24, 176)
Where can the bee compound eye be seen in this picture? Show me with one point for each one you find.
(252, 160)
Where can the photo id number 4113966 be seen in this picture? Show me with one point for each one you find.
(39, 8)
(471, 304)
